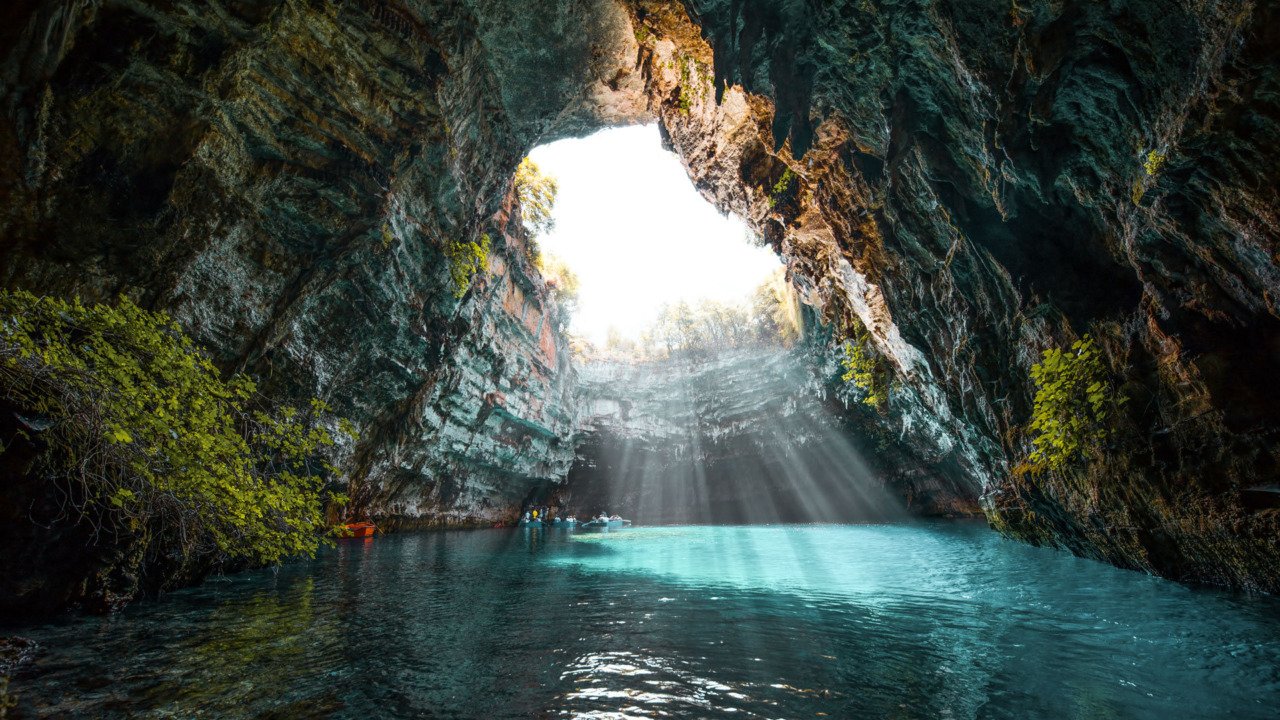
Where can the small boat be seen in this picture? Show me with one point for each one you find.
(531, 523)
(360, 529)
(609, 524)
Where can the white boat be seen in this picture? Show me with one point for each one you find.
(609, 524)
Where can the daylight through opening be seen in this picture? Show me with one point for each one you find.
(649, 266)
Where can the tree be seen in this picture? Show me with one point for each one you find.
(561, 280)
(776, 310)
(537, 192)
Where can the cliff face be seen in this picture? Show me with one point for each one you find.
(751, 436)
(282, 177)
(969, 181)
(977, 182)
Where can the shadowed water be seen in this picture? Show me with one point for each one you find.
(890, 621)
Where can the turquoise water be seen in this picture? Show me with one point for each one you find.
(890, 621)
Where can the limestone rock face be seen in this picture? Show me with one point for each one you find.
(752, 436)
(977, 182)
(282, 177)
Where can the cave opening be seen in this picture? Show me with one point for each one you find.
(699, 398)
(647, 266)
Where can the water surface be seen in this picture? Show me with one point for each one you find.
(888, 621)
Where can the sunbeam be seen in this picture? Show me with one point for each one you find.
(738, 438)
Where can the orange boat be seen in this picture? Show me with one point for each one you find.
(361, 529)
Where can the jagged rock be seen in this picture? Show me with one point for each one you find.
(14, 651)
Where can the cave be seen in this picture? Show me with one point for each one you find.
(1027, 423)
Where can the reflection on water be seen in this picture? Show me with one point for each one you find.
(895, 621)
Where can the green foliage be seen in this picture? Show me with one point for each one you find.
(149, 438)
(537, 192)
(685, 100)
(466, 258)
(1074, 400)
(776, 310)
(695, 79)
(865, 370)
(781, 187)
(1155, 161)
(561, 279)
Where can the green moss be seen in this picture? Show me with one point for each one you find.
(781, 187)
(1155, 161)
(149, 438)
(865, 369)
(466, 258)
(695, 79)
(1075, 406)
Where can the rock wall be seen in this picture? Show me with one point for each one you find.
(750, 436)
(974, 183)
(283, 177)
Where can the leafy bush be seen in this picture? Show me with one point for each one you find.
(466, 258)
(1074, 399)
(865, 370)
(781, 187)
(148, 438)
(1155, 161)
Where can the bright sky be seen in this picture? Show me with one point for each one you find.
(637, 234)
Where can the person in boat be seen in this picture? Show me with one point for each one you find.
(535, 514)
(526, 516)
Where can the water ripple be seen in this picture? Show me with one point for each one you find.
(892, 621)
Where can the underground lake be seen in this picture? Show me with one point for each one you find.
(922, 620)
